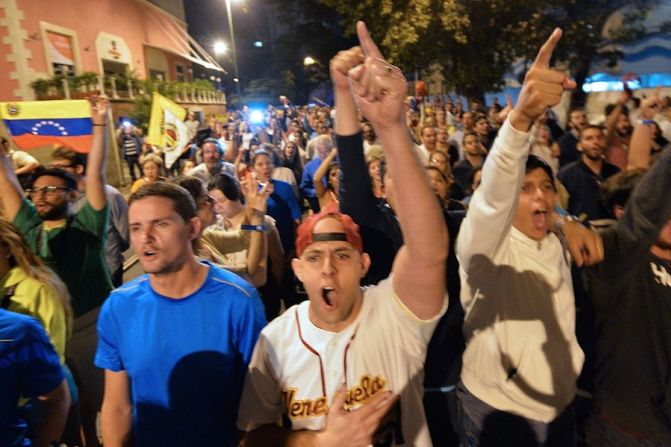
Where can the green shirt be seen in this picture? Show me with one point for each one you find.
(75, 251)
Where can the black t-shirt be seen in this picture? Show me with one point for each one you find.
(631, 295)
(583, 186)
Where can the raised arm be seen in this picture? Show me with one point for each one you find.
(95, 166)
(257, 255)
(647, 211)
(320, 189)
(419, 267)
(493, 205)
(640, 145)
(356, 196)
(12, 193)
(612, 118)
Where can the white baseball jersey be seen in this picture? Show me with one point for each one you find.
(297, 368)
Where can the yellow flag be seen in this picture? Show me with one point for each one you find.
(161, 133)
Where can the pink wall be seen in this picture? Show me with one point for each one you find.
(7, 85)
(129, 19)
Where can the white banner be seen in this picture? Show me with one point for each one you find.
(175, 137)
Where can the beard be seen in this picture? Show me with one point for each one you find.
(594, 156)
(55, 212)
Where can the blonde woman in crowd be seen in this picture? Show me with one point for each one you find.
(29, 287)
(152, 170)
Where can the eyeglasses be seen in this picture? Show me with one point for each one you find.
(48, 190)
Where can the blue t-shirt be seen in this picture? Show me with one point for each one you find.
(186, 358)
(284, 208)
(307, 182)
(29, 366)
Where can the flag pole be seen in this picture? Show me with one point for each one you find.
(115, 148)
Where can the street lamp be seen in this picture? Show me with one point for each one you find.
(235, 56)
(220, 47)
(309, 60)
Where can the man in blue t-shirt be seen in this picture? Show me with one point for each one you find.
(29, 367)
(176, 341)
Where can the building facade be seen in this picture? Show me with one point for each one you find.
(139, 39)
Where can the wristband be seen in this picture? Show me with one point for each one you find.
(101, 125)
(647, 122)
(562, 220)
(561, 211)
(253, 227)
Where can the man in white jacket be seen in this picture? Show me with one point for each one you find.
(522, 358)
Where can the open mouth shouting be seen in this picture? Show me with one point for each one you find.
(539, 218)
(327, 295)
(149, 254)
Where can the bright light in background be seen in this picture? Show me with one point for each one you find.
(236, 80)
(258, 44)
(126, 123)
(309, 61)
(220, 47)
(609, 86)
(256, 117)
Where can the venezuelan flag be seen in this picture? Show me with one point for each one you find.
(42, 123)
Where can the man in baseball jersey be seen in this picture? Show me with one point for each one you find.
(346, 366)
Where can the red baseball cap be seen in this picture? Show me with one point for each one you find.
(305, 235)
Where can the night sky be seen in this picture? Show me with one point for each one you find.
(252, 19)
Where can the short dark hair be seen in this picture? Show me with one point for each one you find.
(182, 201)
(229, 186)
(535, 162)
(610, 107)
(587, 127)
(69, 178)
(480, 117)
(471, 134)
(617, 189)
(191, 184)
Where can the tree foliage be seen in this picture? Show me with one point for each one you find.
(476, 41)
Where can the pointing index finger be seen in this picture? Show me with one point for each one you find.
(545, 53)
(367, 44)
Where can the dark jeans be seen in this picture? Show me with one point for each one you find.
(499, 428)
(133, 160)
(80, 351)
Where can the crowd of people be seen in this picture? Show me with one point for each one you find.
(387, 271)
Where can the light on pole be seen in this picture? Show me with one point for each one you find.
(220, 47)
(235, 56)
